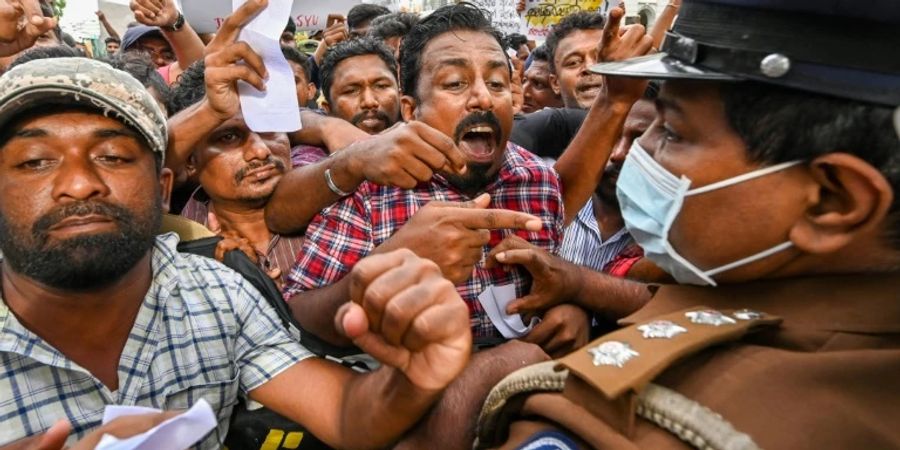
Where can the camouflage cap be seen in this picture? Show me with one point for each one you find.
(82, 81)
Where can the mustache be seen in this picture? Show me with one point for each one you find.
(42, 226)
(478, 118)
(253, 165)
(377, 114)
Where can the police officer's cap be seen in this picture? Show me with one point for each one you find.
(844, 48)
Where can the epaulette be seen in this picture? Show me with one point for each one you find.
(610, 380)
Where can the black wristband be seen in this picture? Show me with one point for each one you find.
(179, 23)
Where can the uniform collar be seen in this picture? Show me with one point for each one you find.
(840, 303)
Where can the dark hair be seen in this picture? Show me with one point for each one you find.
(540, 53)
(112, 39)
(189, 89)
(291, 26)
(293, 55)
(349, 49)
(392, 25)
(652, 91)
(68, 39)
(364, 12)
(582, 20)
(53, 51)
(462, 16)
(141, 67)
(515, 40)
(779, 125)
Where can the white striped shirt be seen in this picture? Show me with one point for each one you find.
(584, 245)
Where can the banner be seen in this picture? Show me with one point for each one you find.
(503, 14)
(207, 15)
(540, 15)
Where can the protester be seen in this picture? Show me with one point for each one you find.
(27, 23)
(237, 169)
(306, 89)
(391, 28)
(770, 174)
(360, 17)
(88, 237)
(112, 45)
(165, 35)
(289, 34)
(537, 92)
(471, 113)
(360, 86)
(519, 44)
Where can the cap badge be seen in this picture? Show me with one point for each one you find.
(709, 317)
(775, 65)
(747, 314)
(661, 329)
(612, 353)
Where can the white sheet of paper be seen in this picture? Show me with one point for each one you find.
(494, 300)
(275, 109)
(179, 432)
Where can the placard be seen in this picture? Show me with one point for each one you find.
(206, 16)
(504, 16)
(541, 15)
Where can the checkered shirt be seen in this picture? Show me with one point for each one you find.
(202, 332)
(347, 231)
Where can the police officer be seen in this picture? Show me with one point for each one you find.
(767, 188)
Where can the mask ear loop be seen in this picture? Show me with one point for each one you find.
(741, 262)
(742, 178)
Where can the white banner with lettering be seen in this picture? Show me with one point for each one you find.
(207, 15)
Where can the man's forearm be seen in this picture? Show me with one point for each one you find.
(286, 215)
(581, 165)
(325, 131)
(315, 310)
(609, 296)
(109, 29)
(380, 406)
(186, 129)
(186, 44)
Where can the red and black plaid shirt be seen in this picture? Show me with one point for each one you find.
(347, 231)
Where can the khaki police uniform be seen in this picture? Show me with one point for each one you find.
(785, 364)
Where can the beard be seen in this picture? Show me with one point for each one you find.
(606, 188)
(477, 177)
(478, 174)
(81, 263)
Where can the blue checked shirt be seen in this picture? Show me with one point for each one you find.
(202, 332)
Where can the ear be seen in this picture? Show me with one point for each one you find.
(166, 181)
(325, 106)
(554, 84)
(191, 167)
(849, 199)
(407, 108)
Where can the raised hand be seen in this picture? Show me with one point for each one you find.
(463, 229)
(554, 280)
(21, 25)
(222, 57)
(155, 13)
(621, 43)
(405, 155)
(409, 317)
(336, 32)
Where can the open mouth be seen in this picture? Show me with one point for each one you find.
(479, 142)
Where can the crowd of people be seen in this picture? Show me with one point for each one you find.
(673, 236)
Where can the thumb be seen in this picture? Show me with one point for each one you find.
(351, 320)
(528, 303)
(55, 437)
(212, 222)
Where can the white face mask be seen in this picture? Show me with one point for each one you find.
(651, 198)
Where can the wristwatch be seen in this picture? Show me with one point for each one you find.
(179, 23)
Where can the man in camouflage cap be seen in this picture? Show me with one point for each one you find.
(769, 182)
(98, 310)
